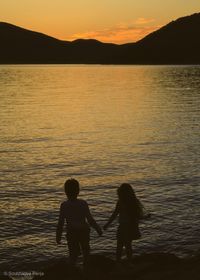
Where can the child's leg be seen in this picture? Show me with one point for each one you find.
(73, 246)
(73, 251)
(129, 252)
(120, 245)
(86, 251)
(85, 244)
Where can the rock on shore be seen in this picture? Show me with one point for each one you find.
(154, 266)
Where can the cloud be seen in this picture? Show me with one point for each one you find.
(122, 33)
(142, 20)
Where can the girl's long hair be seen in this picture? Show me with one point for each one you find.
(128, 200)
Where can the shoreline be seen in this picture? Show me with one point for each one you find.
(148, 266)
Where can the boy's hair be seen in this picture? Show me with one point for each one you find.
(72, 188)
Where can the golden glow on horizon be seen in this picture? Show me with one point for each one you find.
(122, 33)
(114, 21)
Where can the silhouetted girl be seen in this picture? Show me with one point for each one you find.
(129, 209)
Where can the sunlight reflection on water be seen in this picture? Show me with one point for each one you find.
(103, 125)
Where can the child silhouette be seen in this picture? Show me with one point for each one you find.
(129, 209)
(78, 218)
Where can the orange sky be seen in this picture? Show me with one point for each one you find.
(117, 21)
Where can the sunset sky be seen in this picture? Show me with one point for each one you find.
(117, 21)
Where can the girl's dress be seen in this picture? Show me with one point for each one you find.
(128, 228)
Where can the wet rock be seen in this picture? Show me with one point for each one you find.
(60, 270)
(4, 277)
(155, 266)
(98, 267)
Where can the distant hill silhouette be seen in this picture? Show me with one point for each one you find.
(176, 43)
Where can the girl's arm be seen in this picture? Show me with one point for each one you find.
(112, 217)
(144, 214)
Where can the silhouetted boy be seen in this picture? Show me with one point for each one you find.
(77, 215)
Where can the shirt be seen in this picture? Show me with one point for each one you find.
(77, 215)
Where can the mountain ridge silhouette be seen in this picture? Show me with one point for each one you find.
(178, 42)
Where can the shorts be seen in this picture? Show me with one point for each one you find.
(77, 240)
(79, 235)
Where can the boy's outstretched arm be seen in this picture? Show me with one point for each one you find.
(112, 217)
(92, 222)
(60, 224)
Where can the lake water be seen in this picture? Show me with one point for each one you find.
(103, 125)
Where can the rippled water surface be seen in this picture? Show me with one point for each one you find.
(103, 125)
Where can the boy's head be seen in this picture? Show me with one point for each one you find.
(72, 188)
